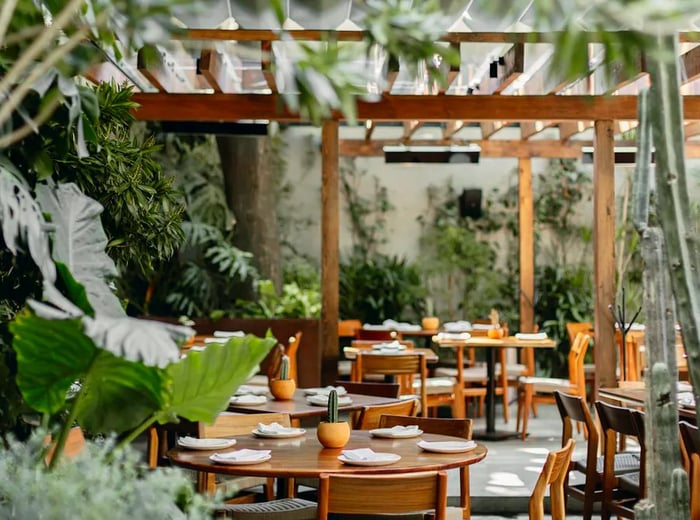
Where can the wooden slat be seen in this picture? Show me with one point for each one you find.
(531, 128)
(604, 252)
(690, 65)
(409, 128)
(489, 128)
(330, 256)
(213, 68)
(369, 129)
(692, 129)
(513, 67)
(454, 37)
(489, 148)
(526, 242)
(233, 107)
(451, 128)
(568, 129)
(155, 69)
(266, 64)
(547, 80)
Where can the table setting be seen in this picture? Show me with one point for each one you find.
(322, 400)
(397, 432)
(277, 431)
(242, 457)
(195, 443)
(367, 457)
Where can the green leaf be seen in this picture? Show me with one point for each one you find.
(51, 355)
(75, 291)
(203, 382)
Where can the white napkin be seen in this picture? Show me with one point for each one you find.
(274, 427)
(686, 399)
(394, 345)
(214, 340)
(322, 400)
(453, 336)
(197, 348)
(403, 429)
(229, 334)
(340, 390)
(248, 399)
(195, 442)
(249, 389)
(457, 326)
(483, 326)
(531, 336)
(241, 455)
(362, 454)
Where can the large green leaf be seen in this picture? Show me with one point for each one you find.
(119, 394)
(203, 382)
(79, 242)
(51, 355)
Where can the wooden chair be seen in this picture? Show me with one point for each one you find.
(369, 416)
(533, 390)
(377, 335)
(348, 328)
(371, 388)
(584, 327)
(621, 492)
(573, 409)
(691, 444)
(230, 425)
(453, 427)
(283, 509)
(553, 474)
(379, 494)
(404, 364)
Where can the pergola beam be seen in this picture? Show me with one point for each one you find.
(451, 128)
(233, 107)
(489, 128)
(529, 129)
(410, 128)
(568, 129)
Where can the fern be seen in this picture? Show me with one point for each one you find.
(231, 261)
(200, 233)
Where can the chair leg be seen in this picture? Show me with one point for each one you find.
(506, 411)
(527, 404)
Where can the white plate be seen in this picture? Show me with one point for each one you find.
(534, 336)
(382, 459)
(192, 443)
(286, 434)
(322, 400)
(233, 462)
(447, 446)
(390, 433)
(340, 390)
(248, 400)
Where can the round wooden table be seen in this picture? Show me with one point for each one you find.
(305, 457)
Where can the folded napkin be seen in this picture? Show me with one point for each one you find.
(229, 334)
(196, 442)
(531, 336)
(404, 429)
(453, 336)
(363, 454)
(274, 427)
(457, 326)
(322, 400)
(340, 390)
(197, 348)
(248, 399)
(250, 389)
(242, 455)
(483, 326)
(214, 340)
(394, 345)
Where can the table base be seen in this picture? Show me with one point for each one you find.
(496, 435)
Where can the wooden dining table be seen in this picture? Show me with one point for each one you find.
(490, 344)
(634, 395)
(305, 457)
(299, 408)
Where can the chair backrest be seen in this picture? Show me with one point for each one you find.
(378, 494)
(573, 408)
(369, 343)
(691, 442)
(369, 416)
(228, 425)
(347, 328)
(553, 474)
(577, 353)
(616, 420)
(574, 327)
(377, 335)
(396, 365)
(443, 426)
(371, 388)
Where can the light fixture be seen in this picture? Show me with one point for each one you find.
(432, 154)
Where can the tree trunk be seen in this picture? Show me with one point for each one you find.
(250, 193)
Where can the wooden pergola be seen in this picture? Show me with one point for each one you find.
(606, 107)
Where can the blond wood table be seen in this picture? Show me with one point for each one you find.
(491, 345)
(635, 396)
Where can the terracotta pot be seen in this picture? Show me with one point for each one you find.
(333, 435)
(496, 333)
(282, 389)
(430, 323)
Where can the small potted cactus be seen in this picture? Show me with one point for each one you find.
(283, 387)
(333, 433)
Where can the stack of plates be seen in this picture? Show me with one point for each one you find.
(447, 446)
(193, 443)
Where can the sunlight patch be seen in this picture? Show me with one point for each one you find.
(504, 479)
(534, 451)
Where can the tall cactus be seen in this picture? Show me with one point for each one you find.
(332, 406)
(662, 442)
(284, 368)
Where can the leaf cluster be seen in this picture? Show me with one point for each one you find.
(294, 302)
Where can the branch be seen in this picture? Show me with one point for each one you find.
(8, 8)
(25, 34)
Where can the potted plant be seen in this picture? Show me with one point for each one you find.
(283, 388)
(430, 321)
(333, 433)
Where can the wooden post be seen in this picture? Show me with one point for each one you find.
(330, 245)
(527, 257)
(604, 253)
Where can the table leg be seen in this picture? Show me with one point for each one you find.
(458, 409)
(491, 433)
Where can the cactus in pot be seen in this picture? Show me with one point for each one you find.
(333, 433)
(283, 388)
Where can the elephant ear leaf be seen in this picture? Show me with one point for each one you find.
(203, 382)
(51, 356)
(79, 242)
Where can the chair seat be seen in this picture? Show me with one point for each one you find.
(546, 384)
(624, 463)
(630, 482)
(284, 509)
(436, 385)
(470, 374)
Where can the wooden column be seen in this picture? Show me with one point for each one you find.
(527, 256)
(604, 253)
(330, 245)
